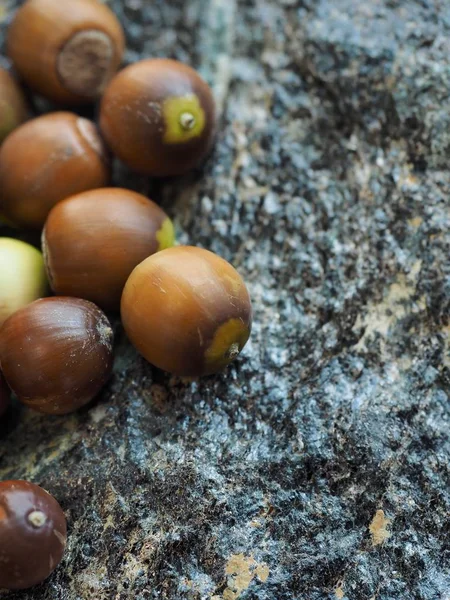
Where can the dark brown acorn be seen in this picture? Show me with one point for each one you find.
(66, 51)
(56, 353)
(158, 117)
(32, 534)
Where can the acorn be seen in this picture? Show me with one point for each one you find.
(13, 105)
(66, 51)
(158, 117)
(56, 354)
(187, 311)
(4, 395)
(33, 534)
(92, 242)
(22, 276)
(46, 160)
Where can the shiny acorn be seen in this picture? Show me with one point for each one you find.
(33, 534)
(4, 395)
(158, 117)
(13, 105)
(92, 242)
(187, 311)
(56, 353)
(46, 160)
(66, 51)
(22, 276)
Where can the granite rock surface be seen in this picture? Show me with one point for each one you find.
(317, 466)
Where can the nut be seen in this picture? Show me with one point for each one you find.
(45, 161)
(158, 117)
(187, 311)
(56, 354)
(66, 51)
(92, 242)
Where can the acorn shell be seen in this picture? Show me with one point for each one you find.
(187, 311)
(33, 534)
(93, 241)
(46, 160)
(56, 353)
(66, 51)
(158, 117)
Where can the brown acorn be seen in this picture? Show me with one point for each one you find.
(92, 242)
(33, 534)
(187, 311)
(46, 160)
(13, 105)
(158, 117)
(56, 353)
(66, 51)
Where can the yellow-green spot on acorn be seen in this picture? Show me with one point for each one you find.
(166, 235)
(184, 118)
(228, 341)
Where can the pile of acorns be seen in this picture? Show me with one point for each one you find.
(186, 310)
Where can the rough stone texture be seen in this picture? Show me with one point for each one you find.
(317, 467)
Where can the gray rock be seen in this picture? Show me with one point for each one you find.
(317, 466)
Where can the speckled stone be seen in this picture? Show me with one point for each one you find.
(317, 466)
